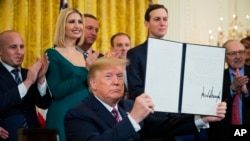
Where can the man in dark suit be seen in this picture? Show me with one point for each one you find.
(156, 21)
(106, 116)
(236, 78)
(22, 91)
(90, 35)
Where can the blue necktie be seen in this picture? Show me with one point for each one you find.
(17, 78)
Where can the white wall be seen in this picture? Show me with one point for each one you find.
(190, 20)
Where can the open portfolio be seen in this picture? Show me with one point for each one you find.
(184, 78)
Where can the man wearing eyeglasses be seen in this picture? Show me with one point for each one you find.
(90, 35)
(236, 78)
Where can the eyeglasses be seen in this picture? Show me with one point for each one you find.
(234, 53)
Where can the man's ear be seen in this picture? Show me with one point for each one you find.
(146, 23)
(92, 83)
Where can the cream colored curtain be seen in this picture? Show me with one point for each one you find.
(35, 20)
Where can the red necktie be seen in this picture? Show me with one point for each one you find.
(236, 109)
(115, 114)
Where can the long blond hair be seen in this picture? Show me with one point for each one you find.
(59, 39)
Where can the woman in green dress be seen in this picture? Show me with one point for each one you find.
(67, 72)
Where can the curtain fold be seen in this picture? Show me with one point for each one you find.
(35, 20)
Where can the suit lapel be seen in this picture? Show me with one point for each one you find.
(122, 112)
(24, 73)
(227, 82)
(6, 76)
(102, 112)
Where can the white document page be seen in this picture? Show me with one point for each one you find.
(163, 72)
(203, 79)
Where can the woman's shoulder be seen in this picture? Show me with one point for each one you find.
(52, 49)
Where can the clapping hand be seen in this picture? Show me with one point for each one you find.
(45, 64)
(91, 58)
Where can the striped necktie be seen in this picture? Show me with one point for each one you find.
(17, 78)
(115, 114)
(85, 54)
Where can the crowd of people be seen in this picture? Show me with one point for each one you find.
(101, 97)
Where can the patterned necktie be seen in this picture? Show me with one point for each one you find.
(17, 78)
(236, 109)
(85, 54)
(115, 114)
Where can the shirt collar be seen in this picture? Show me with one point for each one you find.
(8, 67)
(242, 71)
(82, 51)
(109, 108)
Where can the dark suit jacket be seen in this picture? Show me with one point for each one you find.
(220, 131)
(13, 109)
(91, 121)
(136, 70)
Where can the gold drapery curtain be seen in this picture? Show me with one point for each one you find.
(36, 19)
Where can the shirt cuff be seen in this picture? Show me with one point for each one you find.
(199, 123)
(246, 95)
(22, 90)
(134, 124)
(42, 88)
